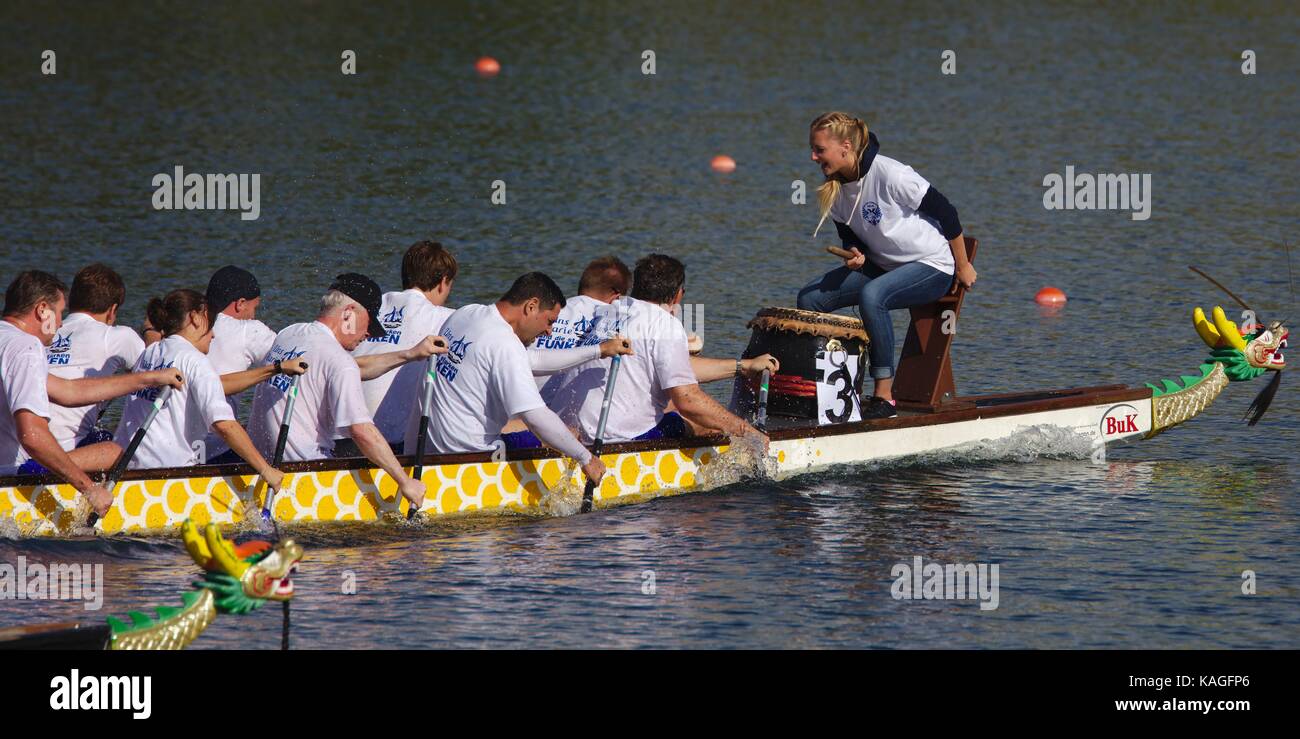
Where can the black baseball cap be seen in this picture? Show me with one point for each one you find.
(228, 284)
(363, 290)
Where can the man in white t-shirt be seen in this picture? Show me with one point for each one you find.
(33, 314)
(658, 372)
(330, 403)
(589, 320)
(89, 344)
(484, 379)
(408, 316)
(239, 340)
(604, 280)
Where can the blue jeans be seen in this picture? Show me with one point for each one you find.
(876, 292)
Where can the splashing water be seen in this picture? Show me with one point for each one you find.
(565, 499)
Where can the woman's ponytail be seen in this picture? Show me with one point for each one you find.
(168, 314)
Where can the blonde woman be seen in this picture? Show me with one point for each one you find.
(904, 235)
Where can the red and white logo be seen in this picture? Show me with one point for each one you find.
(1119, 420)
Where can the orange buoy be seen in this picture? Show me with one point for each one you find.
(1049, 296)
(723, 163)
(486, 66)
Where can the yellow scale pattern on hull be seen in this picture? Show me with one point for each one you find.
(160, 506)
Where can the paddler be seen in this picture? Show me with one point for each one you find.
(239, 340)
(903, 235)
(408, 316)
(578, 336)
(659, 371)
(330, 402)
(90, 344)
(485, 380)
(33, 314)
(177, 435)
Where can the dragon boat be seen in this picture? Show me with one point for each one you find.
(812, 426)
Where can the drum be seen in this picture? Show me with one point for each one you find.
(795, 337)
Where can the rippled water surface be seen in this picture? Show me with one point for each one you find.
(1145, 550)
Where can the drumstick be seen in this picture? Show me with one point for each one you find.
(841, 253)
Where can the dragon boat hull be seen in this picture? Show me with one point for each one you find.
(537, 482)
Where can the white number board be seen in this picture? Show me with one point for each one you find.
(837, 397)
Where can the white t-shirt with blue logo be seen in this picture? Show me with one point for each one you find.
(582, 322)
(22, 380)
(482, 382)
(329, 395)
(85, 347)
(408, 317)
(660, 360)
(886, 217)
(237, 345)
(172, 440)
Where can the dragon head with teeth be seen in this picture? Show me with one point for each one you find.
(1245, 353)
(245, 576)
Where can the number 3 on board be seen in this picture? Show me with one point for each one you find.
(836, 394)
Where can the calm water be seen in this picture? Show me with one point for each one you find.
(1146, 550)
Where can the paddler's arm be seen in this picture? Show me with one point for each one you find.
(237, 438)
(551, 431)
(708, 369)
(88, 390)
(34, 434)
(373, 444)
(375, 365)
(235, 383)
(696, 406)
(545, 362)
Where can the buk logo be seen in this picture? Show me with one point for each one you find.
(1120, 419)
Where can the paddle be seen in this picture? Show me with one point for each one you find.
(761, 422)
(119, 467)
(280, 443)
(421, 441)
(589, 492)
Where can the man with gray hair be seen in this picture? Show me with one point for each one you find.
(330, 403)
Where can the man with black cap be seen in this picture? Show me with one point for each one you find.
(330, 403)
(239, 340)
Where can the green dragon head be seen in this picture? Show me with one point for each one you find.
(1244, 356)
(242, 577)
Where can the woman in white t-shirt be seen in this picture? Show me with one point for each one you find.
(176, 437)
(904, 236)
